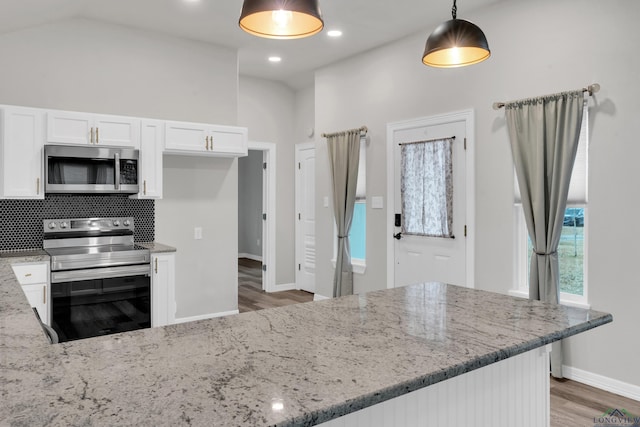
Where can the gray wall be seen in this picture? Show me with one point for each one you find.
(538, 48)
(267, 109)
(250, 204)
(85, 65)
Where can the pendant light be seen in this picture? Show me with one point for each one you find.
(456, 43)
(281, 19)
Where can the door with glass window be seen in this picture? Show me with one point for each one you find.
(429, 205)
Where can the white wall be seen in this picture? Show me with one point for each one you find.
(85, 65)
(267, 109)
(537, 48)
(304, 115)
(250, 204)
(201, 192)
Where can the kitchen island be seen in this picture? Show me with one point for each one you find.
(303, 364)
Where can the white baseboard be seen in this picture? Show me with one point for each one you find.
(318, 297)
(205, 316)
(250, 256)
(284, 287)
(604, 383)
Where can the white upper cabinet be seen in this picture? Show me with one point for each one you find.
(151, 147)
(204, 139)
(21, 153)
(66, 127)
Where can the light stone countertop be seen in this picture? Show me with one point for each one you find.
(316, 360)
(156, 248)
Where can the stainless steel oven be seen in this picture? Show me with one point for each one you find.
(84, 169)
(100, 280)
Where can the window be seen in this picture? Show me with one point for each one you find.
(358, 231)
(572, 253)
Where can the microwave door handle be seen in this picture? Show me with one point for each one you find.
(117, 167)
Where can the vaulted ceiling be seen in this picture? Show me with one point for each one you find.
(365, 24)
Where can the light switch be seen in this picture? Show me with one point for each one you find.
(325, 201)
(377, 202)
(197, 233)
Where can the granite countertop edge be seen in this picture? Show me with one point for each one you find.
(156, 247)
(365, 401)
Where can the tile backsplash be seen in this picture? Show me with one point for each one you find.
(21, 220)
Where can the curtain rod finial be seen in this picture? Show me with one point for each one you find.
(498, 105)
(594, 88)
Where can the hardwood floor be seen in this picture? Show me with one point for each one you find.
(572, 403)
(251, 297)
(576, 404)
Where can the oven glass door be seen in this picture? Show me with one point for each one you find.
(89, 308)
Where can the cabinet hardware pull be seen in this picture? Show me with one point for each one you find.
(211, 140)
(91, 139)
(156, 265)
(38, 186)
(97, 136)
(44, 295)
(27, 275)
(207, 139)
(144, 191)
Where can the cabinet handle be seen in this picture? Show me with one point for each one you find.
(207, 139)
(144, 191)
(97, 136)
(156, 265)
(211, 141)
(91, 139)
(27, 275)
(38, 186)
(44, 295)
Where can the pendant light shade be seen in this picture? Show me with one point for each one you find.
(281, 19)
(456, 43)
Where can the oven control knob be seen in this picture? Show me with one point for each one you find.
(64, 224)
(126, 223)
(52, 225)
(116, 223)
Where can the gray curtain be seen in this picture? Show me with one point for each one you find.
(544, 134)
(344, 157)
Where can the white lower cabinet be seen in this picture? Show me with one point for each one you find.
(163, 300)
(34, 278)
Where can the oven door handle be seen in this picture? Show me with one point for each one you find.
(100, 273)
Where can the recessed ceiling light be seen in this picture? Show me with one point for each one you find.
(275, 59)
(334, 33)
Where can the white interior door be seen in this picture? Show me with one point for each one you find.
(305, 218)
(419, 258)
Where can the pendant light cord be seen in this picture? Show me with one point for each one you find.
(454, 10)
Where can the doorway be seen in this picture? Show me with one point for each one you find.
(257, 216)
(417, 258)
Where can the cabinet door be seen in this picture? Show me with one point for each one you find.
(151, 147)
(186, 137)
(21, 151)
(64, 127)
(117, 131)
(38, 299)
(163, 301)
(228, 140)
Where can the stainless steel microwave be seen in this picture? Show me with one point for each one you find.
(91, 170)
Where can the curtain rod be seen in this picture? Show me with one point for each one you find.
(427, 141)
(361, 129)
(593, 88)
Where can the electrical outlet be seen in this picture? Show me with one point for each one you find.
(197, 233)
(258, 242)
